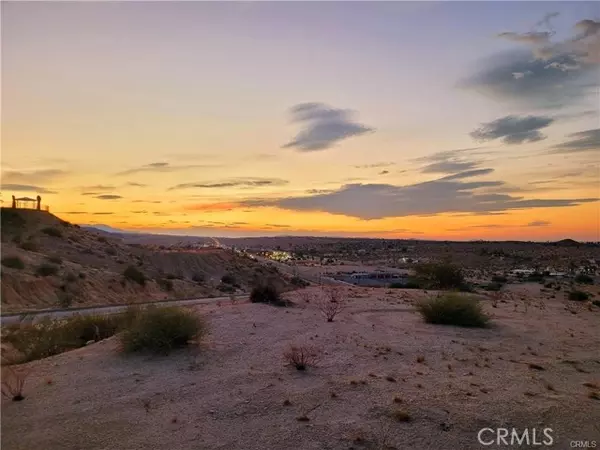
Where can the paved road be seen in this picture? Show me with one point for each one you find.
(106, 309)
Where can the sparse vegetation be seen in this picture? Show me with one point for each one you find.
(14, 262)
(301, 357)
(330, 304)
(439, 276)
(29, 246)
(161, 329)
(267, 293)
(228, 279)
(400, 415)
(299, 282)
(55, 260)
(583, 278)
(165, 284)
(132, 273)
(50, 337)
(46, 270)
(51, 231)
(13, 382)
(578, 296)
(453, 309)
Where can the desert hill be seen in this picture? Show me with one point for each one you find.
(50, 263)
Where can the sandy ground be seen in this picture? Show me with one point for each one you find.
(229, 392)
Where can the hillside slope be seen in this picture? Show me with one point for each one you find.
(50, 263)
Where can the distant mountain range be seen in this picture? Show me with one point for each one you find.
(106, 229)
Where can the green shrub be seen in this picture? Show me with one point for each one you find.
(51, 231)
(299, 282)
(198, 278)
(135, 275)
(439, 276)
(162, 329)
(228, 279)
(165, 284)
(55, 260)
(583, 278)
(46, 270)
(14, 262)
(29, 246)
(578, 296)
(494, 287)
(50, 337)
(267, 293)
(453, 309)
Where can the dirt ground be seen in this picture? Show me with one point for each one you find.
(230, 392)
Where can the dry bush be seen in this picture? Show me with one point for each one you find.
(330, 303)
(301, 356)
(13, 381)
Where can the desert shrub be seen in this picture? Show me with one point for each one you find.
(228, 279)
(301, 357)
(14, 262)
(55, 260)
(228, 288)
(453, 310)
(397, 285)
(46, 270)
(111, 251)
(596, 303)
(65, 299)
(82, 275)
(29, 246)
(70, 278)
(162, 329)
(134, 274)
(51, 337)
(578, 296)
(413, 284)
(583, 278)
(198, 278)
(51, 231)
(499, 279)
(439, 276)
(536, 277)
(267, 293)
(171, 276)
(329, 308)
(101, 239)
(165, 284)
(299, 282)
(494, 287)
(13, 382)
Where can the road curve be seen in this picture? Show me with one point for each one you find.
(8, 319)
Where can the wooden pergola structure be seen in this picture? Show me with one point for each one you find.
(27, 202)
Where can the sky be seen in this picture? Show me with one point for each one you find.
(410, 120)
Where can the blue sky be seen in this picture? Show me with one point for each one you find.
(195, 101)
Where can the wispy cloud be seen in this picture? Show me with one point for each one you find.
(108, 197)
(32, 176)
(513, 129)
(323, 127)
(164, 167)
(582, 141)
(26, 188)
(234, 182)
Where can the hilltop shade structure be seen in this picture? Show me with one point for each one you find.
(28, 203)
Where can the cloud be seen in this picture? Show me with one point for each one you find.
(108, 197)
(26, 188)
(164, 167)
(234, 182)
(134, 184)
(538, 223)
(513, 130)
(468, 174)
(384, 172)
(545, 75)
(96, 188)
(583, 141)
(532, 38)
(323, 127)
(32, 176)
(450, 161)
(213, 207)
(377, 201)
(375, 165)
